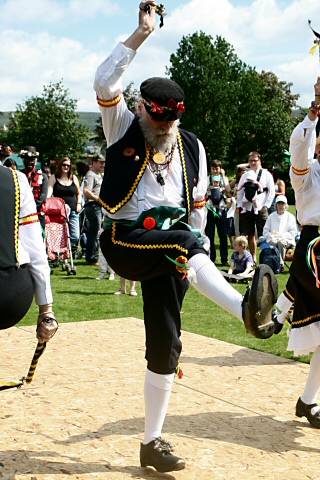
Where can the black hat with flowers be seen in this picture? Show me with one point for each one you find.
(29, 153)
(163, 98)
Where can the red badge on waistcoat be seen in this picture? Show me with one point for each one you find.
(128, 152)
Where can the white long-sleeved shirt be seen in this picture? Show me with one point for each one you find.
(305, 172)
(263, 199)
(281, 228)
(116, 119)
(31, 246)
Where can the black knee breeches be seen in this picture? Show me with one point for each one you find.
(16, 294)
(141, 255)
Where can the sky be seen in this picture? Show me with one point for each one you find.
(44, 41)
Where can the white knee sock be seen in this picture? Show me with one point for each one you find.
(211, 283)
(312, 387)
(283, 304)
(157, 390)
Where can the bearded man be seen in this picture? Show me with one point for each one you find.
(155, 176)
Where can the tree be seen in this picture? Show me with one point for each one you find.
(50, 123)
(232, 108)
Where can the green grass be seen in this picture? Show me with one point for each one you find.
(82, 298)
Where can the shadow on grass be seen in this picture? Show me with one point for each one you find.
(86, 294)
(239, 358)
(262, 432)
(28, 462)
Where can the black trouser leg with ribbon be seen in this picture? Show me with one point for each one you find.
(140, 254)
(304, 281)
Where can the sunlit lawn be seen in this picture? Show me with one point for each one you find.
(83, 298)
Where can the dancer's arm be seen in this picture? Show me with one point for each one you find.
(302, 144)
(116, 117)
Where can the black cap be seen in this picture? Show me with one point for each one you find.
(163, 98)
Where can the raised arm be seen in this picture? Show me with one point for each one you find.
(116, 117)
(302, 143)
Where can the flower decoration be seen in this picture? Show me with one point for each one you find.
(173, 105)
(149, 223)
(179, 372)
(156, 108)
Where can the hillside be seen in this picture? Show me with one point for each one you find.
(88, 119)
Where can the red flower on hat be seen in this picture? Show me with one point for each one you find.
(149, 223)
(177, 106)
(181, 107)
(155, 108)
(171, 103)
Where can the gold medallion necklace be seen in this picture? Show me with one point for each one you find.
(160, 162)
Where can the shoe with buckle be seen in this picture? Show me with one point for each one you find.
(158, 454)
(304, 410)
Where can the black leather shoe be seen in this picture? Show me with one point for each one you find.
(277, 325)
(258, 301)
(158, 454)
(304, 410)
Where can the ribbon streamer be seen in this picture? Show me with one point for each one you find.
(316, 41)
(313, 258)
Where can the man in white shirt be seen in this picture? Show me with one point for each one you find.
(280, 229)
(24, 269)
(253, 209)
(156, 175)
(303, 285)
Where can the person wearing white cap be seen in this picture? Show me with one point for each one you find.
(280, 229)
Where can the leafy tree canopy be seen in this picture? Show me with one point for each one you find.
(50, 123)
(231, 107)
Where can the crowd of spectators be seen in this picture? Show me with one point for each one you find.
(79, 187)
(251, 206)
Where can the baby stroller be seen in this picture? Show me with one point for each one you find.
(57, 235)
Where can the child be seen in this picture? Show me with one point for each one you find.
(241, 259)
(122, 290)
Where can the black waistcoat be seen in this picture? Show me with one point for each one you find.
(126, 162)
(9, 217)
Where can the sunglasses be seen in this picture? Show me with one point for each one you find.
(66, 165)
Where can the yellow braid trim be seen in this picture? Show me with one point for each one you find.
(144, 247)
(305, 320)
(184, 169)
(288, 295)
(109, 103)
(132, 189)
(300, 171)
(16, 212)
(33, 218)
(199, 203)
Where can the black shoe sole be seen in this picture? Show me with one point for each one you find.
(259, 303)
(174, 468)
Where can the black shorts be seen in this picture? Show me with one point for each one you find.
(250, 221)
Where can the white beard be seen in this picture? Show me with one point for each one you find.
(157, 137)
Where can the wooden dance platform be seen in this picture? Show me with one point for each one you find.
(231, 416)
